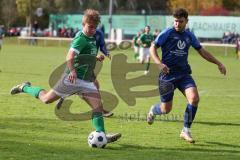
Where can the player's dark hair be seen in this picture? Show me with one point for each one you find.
(180, 12)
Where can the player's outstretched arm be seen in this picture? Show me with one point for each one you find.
(206, 55)
(102, 45)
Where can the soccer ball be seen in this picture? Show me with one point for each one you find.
(97, 139)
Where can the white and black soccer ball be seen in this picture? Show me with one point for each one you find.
(97, 139)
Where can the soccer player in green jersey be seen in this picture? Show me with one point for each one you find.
(79, 76)
(136, 45)
(145, 41)
(99, 36)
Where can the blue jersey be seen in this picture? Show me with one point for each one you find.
(175, 46)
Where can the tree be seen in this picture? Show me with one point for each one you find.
(190, 5)
(233, 5)
(26, 8)
(206, 4)
(68, 6)
(1, 21)
(194, 6)
(151, 6)
(7, 14)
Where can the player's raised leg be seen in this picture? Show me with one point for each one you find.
(19, 88)
(158, 109)
(166, 103)
(26, 87)
(37, 92)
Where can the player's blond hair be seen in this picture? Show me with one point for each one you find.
(91, 16)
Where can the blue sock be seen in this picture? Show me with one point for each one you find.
(157, 109)
(189, 115)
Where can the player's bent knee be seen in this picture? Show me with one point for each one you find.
(46, 100)
(98, 108)
(194, 100)
(166, 109)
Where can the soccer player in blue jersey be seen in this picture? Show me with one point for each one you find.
(101, 42)
(175, 70)
(99, 36)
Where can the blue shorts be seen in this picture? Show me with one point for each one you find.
(181, 82)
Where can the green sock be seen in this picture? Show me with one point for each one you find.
(97, 121)
(33, 91)
(147, 65)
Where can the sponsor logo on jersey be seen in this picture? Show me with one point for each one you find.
(181, 44)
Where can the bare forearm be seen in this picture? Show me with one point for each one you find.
(206, 55)
(70, 60)
(209, 57)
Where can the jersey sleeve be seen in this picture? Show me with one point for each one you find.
(102, 46)
(161, 38)
(76, 44)
(195, 43)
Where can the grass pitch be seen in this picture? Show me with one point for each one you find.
(31, 130)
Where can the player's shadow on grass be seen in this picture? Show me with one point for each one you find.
(208, 123)
(53, 150)
(223, 144)
(193, 148)
(218, 123)
(140, 118)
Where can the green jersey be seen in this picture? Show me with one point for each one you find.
(85, 56)
(135, 38)
(146, 39)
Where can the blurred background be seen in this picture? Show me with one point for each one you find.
(210, 20)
